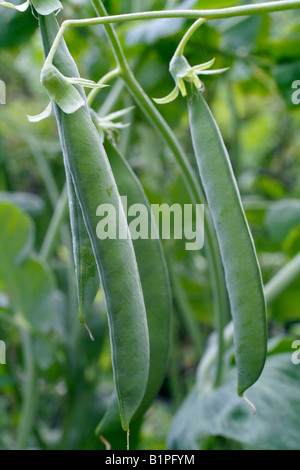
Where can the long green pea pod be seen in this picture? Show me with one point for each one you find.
(87, 278)
(94, 184)
(242, 271)
(156, 288)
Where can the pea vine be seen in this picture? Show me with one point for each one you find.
(75, 117)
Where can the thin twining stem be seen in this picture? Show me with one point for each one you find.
(180, 49)
(104, 80)
(243, 10)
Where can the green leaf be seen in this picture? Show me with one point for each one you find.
(43, 352)
(240, 34)
(28, 202)
(16, 29)
(27, 281)
(35, 294)
(113, 125)
(211, 72)
(23, 7)
(169, 98)
(282, 217)
(152, 31)
(43, 115)
(59, 89)
(105, 124)
(46, 7)
(117, 114)
(85, 83)
(203, 66)
(16, 237)
(179, 67)
(220, 412)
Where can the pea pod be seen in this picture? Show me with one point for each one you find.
(87, 277)
(156, 288)
(94, 184)
(242, 271)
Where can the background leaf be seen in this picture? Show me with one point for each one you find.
(222, 413)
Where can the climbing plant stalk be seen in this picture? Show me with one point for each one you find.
(192, 183)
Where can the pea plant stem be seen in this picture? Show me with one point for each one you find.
(123, 70)
(112, 98)
(193, 184)
(243, 10)
(29, 393)
(185, 312)
(105, 79)
(187, 36)
(55, 225)
(283, 279)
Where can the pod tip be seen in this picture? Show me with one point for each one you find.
(105, 442)
(250, 403)
(89, 332)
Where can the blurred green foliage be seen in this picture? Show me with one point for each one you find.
(46, 347)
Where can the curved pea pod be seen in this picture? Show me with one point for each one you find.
(87, 277)
(156, 289)
(242, 271)
(94, 184)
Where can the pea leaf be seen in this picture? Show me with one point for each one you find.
(220, 412)
(16, 29)
(23, 7)
(152, 31)
(28, 202)
(35, 285)
(16, 237)
(169, 98)
(282, 217)
(43, 115)
(26, 280)
(46, 7)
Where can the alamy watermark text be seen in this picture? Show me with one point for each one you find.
(158, 221)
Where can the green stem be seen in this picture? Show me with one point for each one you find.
(112, 98)
(127, 133)
(243, 10)
(283, 279)
(235, 129)
(192, 183)
(105, 79)
(55, 225)
(185, 312)
(53, 194)
(29, 394)
(180, 49)
(45, 172)
(174, 372)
